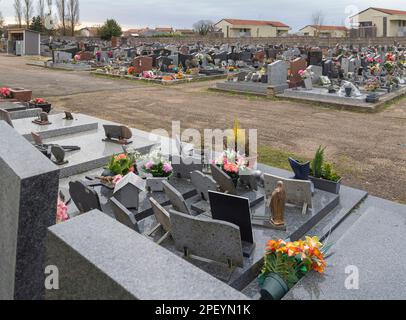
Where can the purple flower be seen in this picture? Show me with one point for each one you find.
(149, 165)
(167, 167)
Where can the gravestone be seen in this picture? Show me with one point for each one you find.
(295, 66)
(127, 190)
(345, 65)
(183, 166)
(214, 240)
(28, 202)
(84, 197)
(278, 75)
(161, 215)
(141, 64)
(203, 184)
(316, 73)
(100, 259)
(235, 210)
(123, 215)
(224, 181)
(315, 57)
(298, 192)
(176, 198)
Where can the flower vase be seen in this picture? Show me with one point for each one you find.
(274, 288)
(308, 83)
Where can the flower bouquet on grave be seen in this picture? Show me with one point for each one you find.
(120, 165)
(285, 263)
(158, 169)
(372, 85)
(5, 93)
(231, 162)
(389, 66)
(131, 71)
(41, 104)
(61, 211)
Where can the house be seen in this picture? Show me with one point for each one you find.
(185, 32)
(136, 32)
(324, 31)
(23, 42)
(88, 32)
(237, 28)
(386, 22)
(164, 30)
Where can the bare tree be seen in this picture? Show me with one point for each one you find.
(18, 9)
(73, 14)
(317, 20)
(50, 6)
(203, 27)
(27, 10)
(41, 10)
(1, 22)
(61, 10)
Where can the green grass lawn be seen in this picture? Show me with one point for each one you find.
(276, 158)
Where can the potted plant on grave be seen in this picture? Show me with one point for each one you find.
(323, 175)
(5, 93)
(285, 263)
(231, 162)
(157, 170)
(120, 165)
(372, 85)
(41, 104)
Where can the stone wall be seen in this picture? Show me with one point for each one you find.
(313, 41)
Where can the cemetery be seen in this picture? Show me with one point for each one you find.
(97, 197)
(350, 77)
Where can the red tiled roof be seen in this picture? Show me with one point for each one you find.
(328, 28)
(164, 29)
(256, 23)
(390, 11)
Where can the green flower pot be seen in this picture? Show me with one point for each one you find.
(274, 288)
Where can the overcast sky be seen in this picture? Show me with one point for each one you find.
(183, 13)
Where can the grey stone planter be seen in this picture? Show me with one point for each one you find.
(326, 185)
(155, 184)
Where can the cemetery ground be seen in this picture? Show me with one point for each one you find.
(369, 150)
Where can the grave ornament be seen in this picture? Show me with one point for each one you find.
(277, 205)
(117, 134)
(42, 119)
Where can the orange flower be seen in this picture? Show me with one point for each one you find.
(120, 157)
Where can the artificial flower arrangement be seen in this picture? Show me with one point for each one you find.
(41, 103)
(389, 66)
(232, 163)
(372, 85)
(304, 74)
(285, 263)
(156, 165)
(121, 164)
(61, 212)
(131, 71)
(5, 93)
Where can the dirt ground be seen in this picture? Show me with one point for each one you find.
(368, 150)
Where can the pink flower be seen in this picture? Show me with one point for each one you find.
(370, 59)
(117, 179)
(149, 165)
(167, 167)
(301, 72)
(61, 212)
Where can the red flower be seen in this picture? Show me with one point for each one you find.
(231, 167)
(39, 101)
